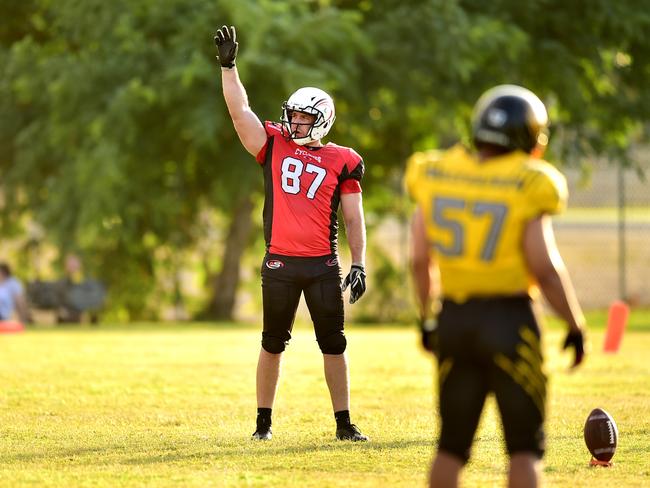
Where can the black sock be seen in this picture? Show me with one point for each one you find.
(264, 417)
(342, 418)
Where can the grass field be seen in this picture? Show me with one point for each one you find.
(160, 405)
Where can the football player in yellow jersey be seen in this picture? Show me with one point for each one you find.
(483, 248)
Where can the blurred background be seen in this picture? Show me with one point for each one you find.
(121, 173)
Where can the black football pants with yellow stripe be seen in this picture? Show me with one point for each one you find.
(490, 345)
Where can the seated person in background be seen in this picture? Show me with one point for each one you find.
(68, 312)
(12, 297)
(78, 294)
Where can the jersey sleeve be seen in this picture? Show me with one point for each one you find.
(547, 191)
(272, 129)
(352, 173)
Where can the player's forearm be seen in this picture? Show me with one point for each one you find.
(234, 93)
(356, 234)
(422, 266)
(558, 291)
(248, 127)
(422, 281)
(355, 226)
(546, 265)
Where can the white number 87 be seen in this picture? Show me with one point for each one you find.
(291, 171)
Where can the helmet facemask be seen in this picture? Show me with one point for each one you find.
(291, 130)
(311, 101)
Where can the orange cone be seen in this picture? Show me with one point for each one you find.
(10, 326)
(616, 322)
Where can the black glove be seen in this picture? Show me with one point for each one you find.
(356, 279)
(226, 41)
(575, 339)
(429, 331)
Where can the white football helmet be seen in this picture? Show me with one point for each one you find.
(312, 101)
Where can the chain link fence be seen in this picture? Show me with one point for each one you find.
(604, 236)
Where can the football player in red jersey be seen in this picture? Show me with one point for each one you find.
(305, 181)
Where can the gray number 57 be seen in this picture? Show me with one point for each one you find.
(497, 212)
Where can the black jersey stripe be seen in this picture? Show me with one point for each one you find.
(267, 213)
(334, 220)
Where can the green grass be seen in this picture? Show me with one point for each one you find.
(174, 406)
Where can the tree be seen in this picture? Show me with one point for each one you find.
(432, 59)
(116, 134)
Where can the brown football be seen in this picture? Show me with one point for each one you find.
(601, 434)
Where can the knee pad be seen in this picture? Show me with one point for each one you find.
(273, 345)
(333, 344)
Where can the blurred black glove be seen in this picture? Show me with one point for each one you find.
(227, 45)
(429, 331)
(575, 339)
(356, 280)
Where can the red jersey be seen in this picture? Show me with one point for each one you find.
(302, 189)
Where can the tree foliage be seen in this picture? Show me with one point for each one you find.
(432, 59)
(114, 135)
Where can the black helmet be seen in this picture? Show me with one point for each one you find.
(511, 117)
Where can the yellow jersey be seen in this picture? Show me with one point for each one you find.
(475, 214)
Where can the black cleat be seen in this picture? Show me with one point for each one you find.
(350, 432)
(263, 434)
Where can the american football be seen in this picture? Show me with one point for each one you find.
(601, 435)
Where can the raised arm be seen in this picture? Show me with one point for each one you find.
(248, 126)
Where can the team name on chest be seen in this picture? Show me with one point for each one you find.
(307, 154)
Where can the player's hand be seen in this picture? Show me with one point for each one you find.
(356, 280)
(227, 45)
(575, 339)
(429, 335)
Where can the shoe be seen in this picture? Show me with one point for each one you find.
(350, 432)
(263, 434)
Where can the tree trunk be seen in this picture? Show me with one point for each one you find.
(225, 283)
